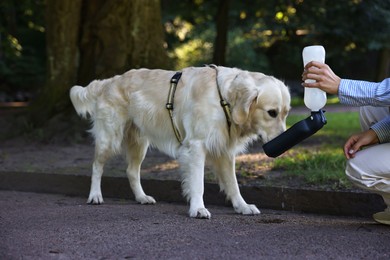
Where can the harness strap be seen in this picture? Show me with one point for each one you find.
(171, 96)
(170, 106)
(225, 105)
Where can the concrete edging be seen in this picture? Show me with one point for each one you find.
(279, 198)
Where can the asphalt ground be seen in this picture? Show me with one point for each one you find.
(43, 214)
(53, 226)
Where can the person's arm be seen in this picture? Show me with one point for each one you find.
(358, 141)
(364, 93)
(350, 92)
(382, 130)
(378, 133)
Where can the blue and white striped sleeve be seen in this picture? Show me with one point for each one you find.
(364, 93)
(382, 130)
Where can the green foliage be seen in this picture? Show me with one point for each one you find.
(22, 44)
(269, 36)
(265, 36)
(241, 53)
(24, 72)
(193, 51)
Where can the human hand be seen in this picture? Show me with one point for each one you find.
(325, 78)
(358, 141)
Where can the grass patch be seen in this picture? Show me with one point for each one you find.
(320, 158)
(316, 167)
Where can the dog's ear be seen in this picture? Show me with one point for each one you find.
(243, 94)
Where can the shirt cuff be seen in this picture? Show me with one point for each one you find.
(382, 130)
(344, 92)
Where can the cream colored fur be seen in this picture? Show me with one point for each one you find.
(129, 114)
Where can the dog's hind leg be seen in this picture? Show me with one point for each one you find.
(224, 168)
(102, 154)
(135, 149)
(108, 139)
(192, 161)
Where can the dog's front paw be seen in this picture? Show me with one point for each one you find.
(247, 209)
(145, 200)
(95, 198)
(200, 213)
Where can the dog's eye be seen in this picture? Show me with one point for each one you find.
(272, 113)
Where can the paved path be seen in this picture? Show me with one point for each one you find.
(42, 226)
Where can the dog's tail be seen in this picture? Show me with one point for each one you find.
(84, 99)
(81, 101)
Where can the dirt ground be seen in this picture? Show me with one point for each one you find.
(25, 154)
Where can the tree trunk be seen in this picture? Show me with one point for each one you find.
(219, 56)
(146, 41)
(62, 31)
(119, 35)
(110, 38)
(104, 39)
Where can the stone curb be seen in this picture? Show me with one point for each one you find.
(278, 198)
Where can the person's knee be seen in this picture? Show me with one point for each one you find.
(352, 171)
(354, 167)
(357, 171)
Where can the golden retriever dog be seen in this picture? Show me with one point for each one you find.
(129, 114)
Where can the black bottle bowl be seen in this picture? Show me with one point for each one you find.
(295, 134)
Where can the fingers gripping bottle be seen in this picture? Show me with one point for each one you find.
(314, 98)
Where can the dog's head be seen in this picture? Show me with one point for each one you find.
(259, 104)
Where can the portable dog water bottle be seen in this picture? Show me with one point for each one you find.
(314, 99)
